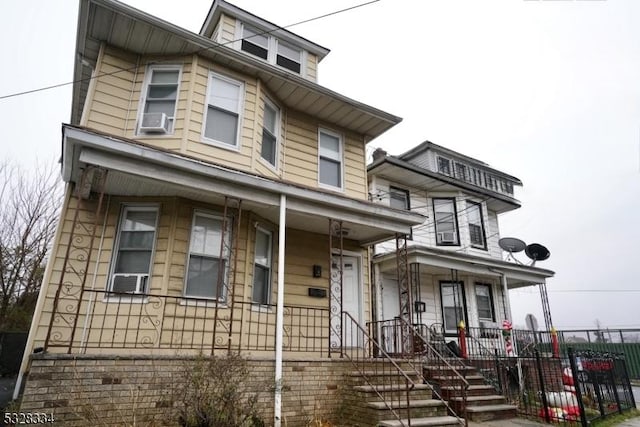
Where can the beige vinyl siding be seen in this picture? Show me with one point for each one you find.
(227, 25)
(301, 156)
(116, 103)
(312, 67)
(197, 146)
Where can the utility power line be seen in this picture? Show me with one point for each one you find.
(204, 49)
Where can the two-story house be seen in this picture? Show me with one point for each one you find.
(216, 200)
(456, 267)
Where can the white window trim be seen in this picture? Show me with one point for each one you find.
(483, 225)
(261, 159)
(133, 298)
(269, 233)
(290, 46)
(491, 301)
(454, 201)
(222, 301)
(272, 50)
(143, 99)
(205, 113)
(340, 189)
(451, 172)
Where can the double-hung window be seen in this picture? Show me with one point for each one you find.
(160, 99)
(133, 254)
(399, 198)
(444, 165)
(207, 266)
(254, 42)
(222, 115)
(271, 123)
(453, 305)
(484, 301)
(330, 159)
(288, 57)
(446, 222)
(262, 267)
(476, 226)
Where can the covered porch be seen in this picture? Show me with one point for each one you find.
(288, 297)
(445, 288)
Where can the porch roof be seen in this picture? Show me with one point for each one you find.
(137, 169)
(517, 275)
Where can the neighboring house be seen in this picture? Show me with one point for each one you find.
(456, 270)
(189, 160)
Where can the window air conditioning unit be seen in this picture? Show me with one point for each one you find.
(155, 122)
(129, 283)
(447, 237)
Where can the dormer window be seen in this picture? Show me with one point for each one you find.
(270, 48)
(288, 57)
(444, 166)
(255, 43)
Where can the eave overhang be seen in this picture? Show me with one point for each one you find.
(402, 172)
(136, 169)
(129, 29)
(517, 275)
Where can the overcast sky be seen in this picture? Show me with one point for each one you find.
(548, 91)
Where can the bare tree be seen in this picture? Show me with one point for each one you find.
(29, 209)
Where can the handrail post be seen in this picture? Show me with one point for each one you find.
(463, 340)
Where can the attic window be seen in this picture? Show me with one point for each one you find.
(262, 44)
(444, 166)
(288, 57)
(255, 43)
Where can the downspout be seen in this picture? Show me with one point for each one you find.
(280, 312)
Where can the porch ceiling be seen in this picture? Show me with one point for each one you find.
(436, 261)
(135, 169)
(124, 27)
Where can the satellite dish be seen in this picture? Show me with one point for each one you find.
(537, 252)
(531, 321)
(511, 244)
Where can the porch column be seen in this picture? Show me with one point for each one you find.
(280, 311)
(505, 292)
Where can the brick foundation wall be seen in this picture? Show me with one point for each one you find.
(123, 389)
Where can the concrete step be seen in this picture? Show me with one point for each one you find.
(416, 408)
(490, 412)
(389, 387)
(448, 379)
(423, 422)
(491, 399)
(386, 373)
(450, 391)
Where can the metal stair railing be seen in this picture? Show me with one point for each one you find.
(423, 353)
(430, 356)
(359, 347)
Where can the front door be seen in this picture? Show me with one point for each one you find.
(351, 299)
